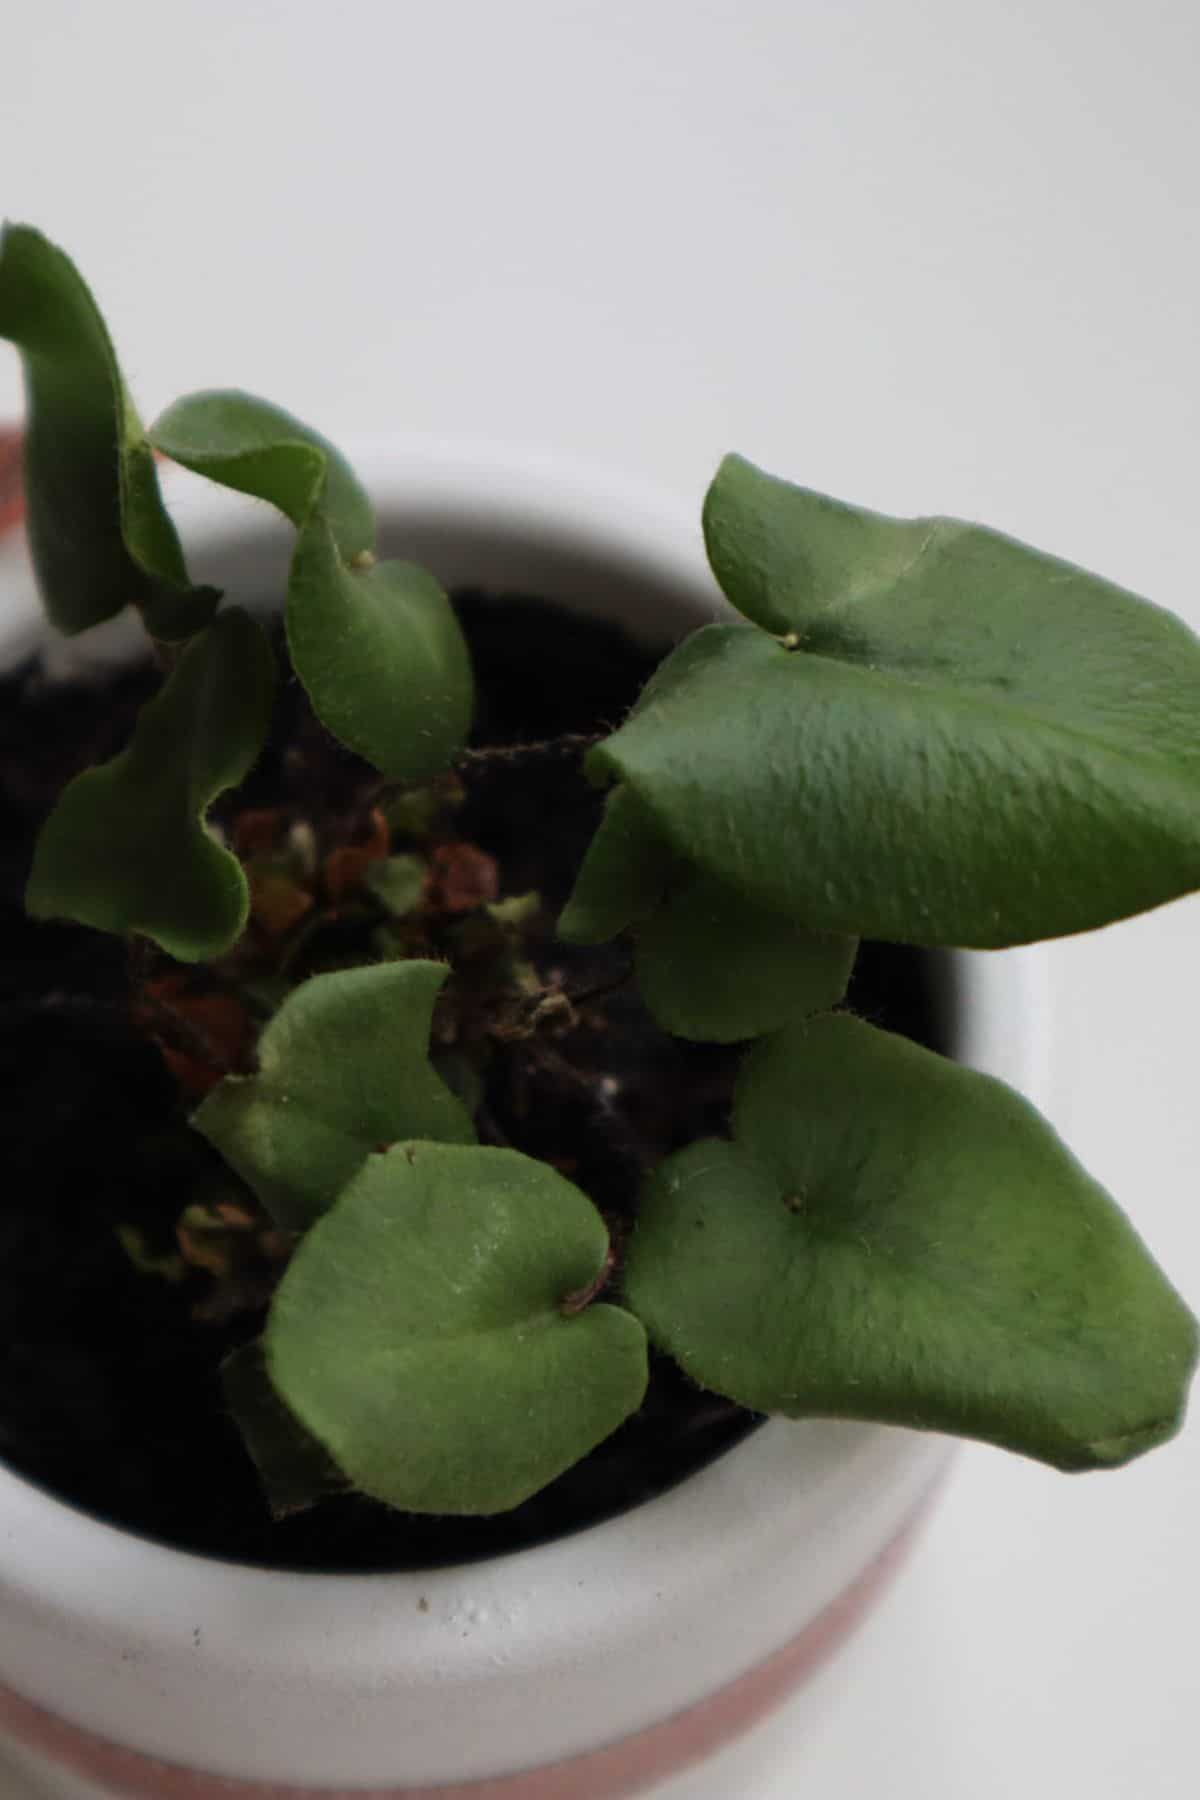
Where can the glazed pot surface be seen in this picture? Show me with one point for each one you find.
(588, 1667)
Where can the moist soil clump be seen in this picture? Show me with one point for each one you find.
(111, 1340)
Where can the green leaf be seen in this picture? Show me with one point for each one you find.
(343, 1071)
(377, 646)
(381, 655)
(294, 1469)
(896, 1238)
(100, 536)
(257, 448)
(398, 883)
(627, 870)
(973, 744)
(517, 911)
(796, 561)
(419, 1332)
(710, 966)
(126, 848)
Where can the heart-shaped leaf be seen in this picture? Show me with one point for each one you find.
(971, 743)
(344, 1071)
(377, 646)
(420, 1332)
(893, 1237)
(100, 536)
(126, 848)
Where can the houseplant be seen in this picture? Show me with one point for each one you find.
(744, 884)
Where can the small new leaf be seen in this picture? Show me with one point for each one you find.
(969, 742)
(126, 848)
(893, 1237)
(419, 1332)
(398, 883)
(376, 645)
(100, 536)
(344, 1071)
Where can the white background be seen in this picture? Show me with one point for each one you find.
(930, 257)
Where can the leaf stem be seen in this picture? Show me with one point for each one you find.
(571, 1305)
(570, 743)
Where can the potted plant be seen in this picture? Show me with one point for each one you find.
(444, 1227)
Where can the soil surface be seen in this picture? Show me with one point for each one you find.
(110, 1392)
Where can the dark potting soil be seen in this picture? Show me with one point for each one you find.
(110, 1394)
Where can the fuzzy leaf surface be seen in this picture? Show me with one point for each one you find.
(974, 743)
(713, 967)
(258, 448)
(627, 870)
(126, 848)
(376, 645)
(893, 1237)
(710, 964)
(418, 1333)
(294, 1469)
(381, 655)
(100, 536)
(343, 1071)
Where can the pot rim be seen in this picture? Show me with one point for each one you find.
(426, 478)
(63, 1569)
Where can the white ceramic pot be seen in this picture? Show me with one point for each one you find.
(600, 1665)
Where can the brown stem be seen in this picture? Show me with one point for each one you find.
(571, 1305)
(571, 743)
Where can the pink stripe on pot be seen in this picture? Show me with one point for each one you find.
(12, 500)
(627, 1767)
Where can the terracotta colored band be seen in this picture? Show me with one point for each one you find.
(12, 501)
(624, 1768)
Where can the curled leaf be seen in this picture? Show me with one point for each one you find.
(100, 536)
(376, 645)
(126, 848)
(257, 448)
